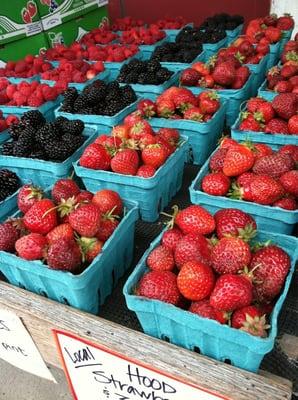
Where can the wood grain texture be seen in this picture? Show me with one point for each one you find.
(40, 315)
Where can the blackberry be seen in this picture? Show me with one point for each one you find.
(113, 95)
(113, 86)
(142, 78)
(16, 129)
(153, 65)
(49, 131)
(113, 108)
(122, 77)
(74, 127)
(74, 142)
(95, 94)
(128, 95)
(87, 110)
(57, 150)
(132, 77)
(67, 106)
(70, 94)
(9, 183)
(7, 149)
(34, 118)
(60, 121)
(38, 153)
(21, 149)
(163, 75)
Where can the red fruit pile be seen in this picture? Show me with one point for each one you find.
(283, 79)
(5, 122)
(219, 278)
(142, 35)
(279, 116)
(98, 36)
(76, 51)
(132, 149)
(25, 68)
(244, 51)
(181, 103)
(269, 29)
(73, 71)
(224, 71)
(126, 23)
(32, 94)
(254, 173)
(66, 232)
(170, 23)
(289, 55)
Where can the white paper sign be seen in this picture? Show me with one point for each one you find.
(95, 373)
(18, 348)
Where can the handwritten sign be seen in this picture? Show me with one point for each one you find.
(18, 348)
(95, 373)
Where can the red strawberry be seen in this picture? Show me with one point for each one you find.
(195, 280)
(84, 197)
(230, 255)
(189, 77)
(273, 165)
(273, 34)
(194, 114)
(165, 108)
(254, 103)
(287, 71)
(147, 108)
(238, 160)
(293, 125)
(41, 217)
(95, 156)
(160, 285)
(64, 254)
(266, 190)
(277, 125)
(26, 16)
(290, 149)
(140, 129)
(132, 118)
(31, 247)
(108, 200)
(231, 292)
(90, 248)
(27, 196)
(171, 135)
(8, 237)
(122, 131)
(234, 222)
(171, 237)
(250, 123)
(32, 9)
(108, 224)
(204, 309)
(261, 150)
(125, 162)
(62, 231)
(241, 190)
(192, 247)
(224, 74)
(285, 105)
(146, 171)
(264, 113)
(285, 22)
(251, 320)
(209, 102)
(195, 219)
(216, 184)
(217, 160)
(201, 67)
(289, 181)
(154, 155)
(86, 219)
(206, 81)
(270, 20)
(161, 259)
(271, 265)
(287, 203)
(64, 189)
(184, 99)
(283, 87)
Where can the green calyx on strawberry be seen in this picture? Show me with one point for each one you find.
(90, 248)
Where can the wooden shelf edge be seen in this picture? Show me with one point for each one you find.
(41, 315)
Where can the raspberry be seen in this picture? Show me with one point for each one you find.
(19, 98)
(35, 101)
(10, 90)
(12, 119)
(3, 83)
(49, 93)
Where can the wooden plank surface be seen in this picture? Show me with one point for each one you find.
(40, 315)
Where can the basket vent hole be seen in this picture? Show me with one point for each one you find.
(228, 361)
(64, 301)
(165, 338)
(43, 293)
(196, 349)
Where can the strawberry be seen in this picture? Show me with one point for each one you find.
(195, 219)
(108, 200)
(125, 162)
(32, 9)
(241, 189)
(195, 280)
(41, 217)
(289, 181)
(230, 255)
(132, 118)
(273, 165)
(204, 309)
(27, 196)
(154, 155)
(287, 71)
(217, 160)
(270, 20)
(165, 108)
(64, 254)
(209, 102)
(241, 75)
(201, 68)
(249, 122)
(287, 203)
(140, 129)
(271, 265)
(264, 113)
(161, 259)
(31, 247)
(122, 131)
(189, 77)
(184, 100)
(192, 247)
(84, 197)
(95, 156)
(261, 150)
(290, 149)
(277, 125)
(108, 224)
(147, 108)
(265, 190)
(64, 189)
(62, 231)
(206, 81)
(171, 237)
(171, 135)
(85, 219)
(235, 223)
(250, 319)
(285, 23)
(285, 105)
(273, 34)
(293, 125)
(238, 160)
(224, 74)
(216, 184)
(231, 292)
(159, 285)
(146, 171)
(283, 87)
(90, 248)
(194, 114)
(8, 237)
(254, 103)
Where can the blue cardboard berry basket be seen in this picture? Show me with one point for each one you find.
(4, 136)
(274, 54)
(45, 173)
(178, 66)
(80, 86)
(29, 80)
(146, 49)
(202, 136)
(259, 72)
(286, 36)
(183, 328)
(266, 93)
(152, 194)
(233, 34)
(270, 219)
(212, 48)
(89, 289)
(273, 140)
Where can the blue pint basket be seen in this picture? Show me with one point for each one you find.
(46, 173)
(259, 72)
(29, 80)
(152, 194)
(212, 48)
(88, 290)
(286, 36)
(233, 34)
(4, 136)
(178, 66)
(271, 219)
(186, 329)
(273, 54)
(266, 93)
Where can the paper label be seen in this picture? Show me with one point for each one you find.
(18, 348)
(96, 373)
